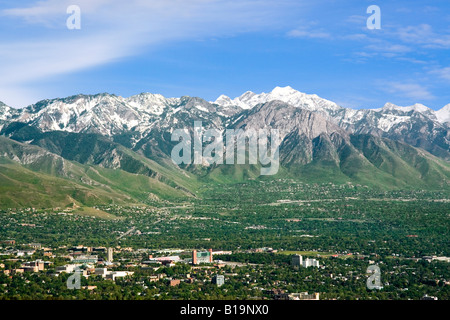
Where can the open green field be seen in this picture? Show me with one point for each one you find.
(307, 253)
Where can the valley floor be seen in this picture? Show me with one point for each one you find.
(263, 223)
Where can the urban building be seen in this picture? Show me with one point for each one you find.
(304, 296)
(35, 266)
(218, 280)
(85, 259)
(109, 254)
(217, 253)
(22, 253)
(427, 297)
(68, 268)
(310, 263)
(112, 275)
(8, 242)
(101, 272)
(202, 257)
(174, 282)
(35, 245)
(162, 259)
(297, 261)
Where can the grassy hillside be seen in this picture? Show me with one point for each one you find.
(22, 187)
(43, 179)
(33, 176)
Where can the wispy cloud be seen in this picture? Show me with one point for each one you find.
(443, 73)
(423, 35)
(413, 91)
(114, 29)
(389, 48)
(308, 33)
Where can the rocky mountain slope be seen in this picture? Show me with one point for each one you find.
(320, 141)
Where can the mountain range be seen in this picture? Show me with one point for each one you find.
(105, 148)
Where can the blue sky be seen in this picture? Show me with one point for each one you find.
(210, 47)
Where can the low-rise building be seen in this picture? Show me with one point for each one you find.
(22, 253)
(202, 257)
(36, 246)
(101, 272)
(217, 253)
(89, 288)
(304, 296)
(34, 266)
(112, 275)
(427, 297)
(174, 282)
(68, 268)
(85, 259)
(8, 242)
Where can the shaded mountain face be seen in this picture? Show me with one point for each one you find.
(416, 125)
(319, 140)
(310, 140)
(298, 130)
(33, 176)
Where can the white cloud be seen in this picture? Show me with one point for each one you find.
(355, 37)
(423, 35)
(357, 19)
(389, 48)
(307, 33)
(114, 29)
(412, 91)
(443, 73)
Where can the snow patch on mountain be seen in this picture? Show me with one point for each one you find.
(443, 115)
(201, 108)
(5, 111)
(108, 114)
(416, 107)
(286, 94)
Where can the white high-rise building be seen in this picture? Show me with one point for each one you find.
(310, 263)
(297, 261)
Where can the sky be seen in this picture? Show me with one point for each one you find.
(206, 48)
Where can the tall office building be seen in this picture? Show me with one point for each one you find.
(297, 260)
(109, 255)
(311, 263)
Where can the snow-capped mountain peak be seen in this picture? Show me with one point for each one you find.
(223, 101)
(151, 103)
(6, 111)
(415, 107)
(109, 115)
(443, 115)
(286, 94)
(283, 91)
